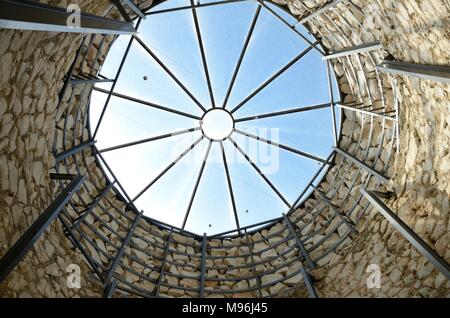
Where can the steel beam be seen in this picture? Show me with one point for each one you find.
(354, 50)
(76, 81)
(367, 112)
(116, 78)
(135, 8)
(427, 72)
(31, 15)
(327, 201)
(138, 142)
(67, 153)
(202, 54)
(281, 146)
(167, 168)
(306, 276)
(241, 56)
(255, 274)
(203, 267)
(284, 112)
(34, 232)
(110, 288)
(121, 251)
(273, 77)
(361, 164)
(299, 243)
(333, 112)
(197, 182)
(318, 12)
(296, 202)
(408, 233)
(122, 10)
(143, 102)
(91, 206)
(258, 170)
(230, 187)
(169, 72)
(163, 264)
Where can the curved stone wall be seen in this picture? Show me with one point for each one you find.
(161, 261)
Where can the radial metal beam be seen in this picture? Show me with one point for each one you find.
(143, 102)
(138, 142)
(31, 15)
(202, 54)
(122, 10)
(255, 272)
(241, 56)
(372, 46)
(367, 112)
(283, 112)
(121, 251)
(167, 70)
(361, 164)
(281, 146)
(260, 172)
(78, 81)
(230, 187)
(34, 232)
(408, 233)
(67, 153)
(318, 12)
(427, 72)
(197, 182)
(272, 78)
(167, 168)
(203, 267)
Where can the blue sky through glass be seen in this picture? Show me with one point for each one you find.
(172, 37)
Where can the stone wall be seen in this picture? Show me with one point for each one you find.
(33, 66)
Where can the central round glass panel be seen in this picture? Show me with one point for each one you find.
(217, 124)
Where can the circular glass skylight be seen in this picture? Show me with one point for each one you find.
(219, 115)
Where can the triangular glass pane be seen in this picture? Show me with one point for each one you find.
(212, 211)
(143, 78)
(222, 52)
(125, 121)
(288, 172)
(255, 200)
(262, 60)
(168, 200)
(136, 166)
(309, 131)
(304, 84)
(178, 25)
(115, 55)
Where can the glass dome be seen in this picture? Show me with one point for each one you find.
(220, 115)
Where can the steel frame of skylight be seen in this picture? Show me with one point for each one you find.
(213, 105)
(71, 150)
